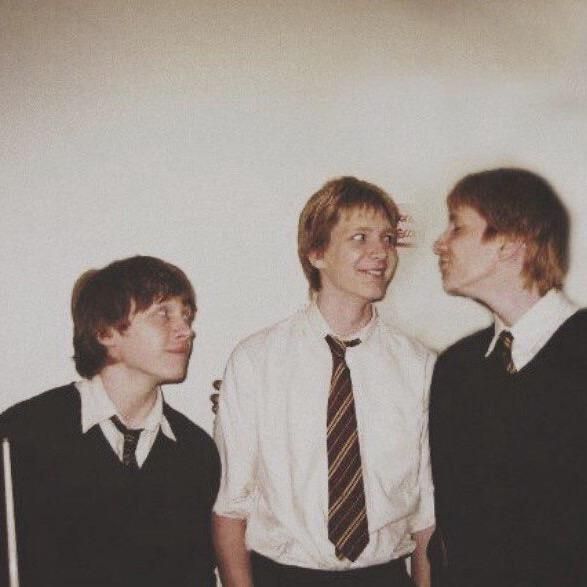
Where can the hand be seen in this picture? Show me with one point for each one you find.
(216, 384)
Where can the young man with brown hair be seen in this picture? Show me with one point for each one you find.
(322, 423)
(508, 413)
(113, 486)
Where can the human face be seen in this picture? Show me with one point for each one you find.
(156, 345)
(466, 260)
(359, 261)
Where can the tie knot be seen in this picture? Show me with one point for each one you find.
(338, 347)
(506, 338)
(503, 351)
(131, 439)
(130, 434)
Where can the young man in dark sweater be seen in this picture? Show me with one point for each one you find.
(508, 413)
(112, 486)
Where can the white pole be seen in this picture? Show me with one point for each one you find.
(10, 524)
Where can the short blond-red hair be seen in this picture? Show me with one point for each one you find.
(322, 212)
(520, 204)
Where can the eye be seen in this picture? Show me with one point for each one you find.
(359, 236)
(389, 239)
(163, 311)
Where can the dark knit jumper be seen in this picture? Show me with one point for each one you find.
(509, 460)
(84, 519)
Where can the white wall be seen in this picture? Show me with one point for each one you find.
(195, 131)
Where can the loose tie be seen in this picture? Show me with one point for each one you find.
(131, 439)
(347, 513)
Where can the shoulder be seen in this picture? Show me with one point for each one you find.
(272, 338)
(456, 372)
(188, 434)
(58, 407)
(197, 452)
(396, 341)
(580, 316)
(467, 348)
(569, 342)
(576, 325)
(472, 344)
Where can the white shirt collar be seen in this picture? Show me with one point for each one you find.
(97, 407)
(321, 328)
(533, 330)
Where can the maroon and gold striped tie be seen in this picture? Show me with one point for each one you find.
(347, 514)
(503, 350)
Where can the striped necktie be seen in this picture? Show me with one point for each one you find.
(131, 439)
(503, 351)
(347, 514)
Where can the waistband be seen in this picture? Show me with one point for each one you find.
(393, 569)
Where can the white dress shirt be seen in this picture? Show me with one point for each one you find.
(97, 408)
(535, 328)
(271, 435)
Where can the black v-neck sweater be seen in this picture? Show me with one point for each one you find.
(84, 519)
(509, 461)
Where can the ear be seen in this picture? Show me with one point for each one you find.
(316, 259)
(514, 250)
(108, 337)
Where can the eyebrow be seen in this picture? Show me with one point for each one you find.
(370, 229)
(184, 305)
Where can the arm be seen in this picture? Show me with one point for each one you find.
(424, 525)
(235, 435)
(234, 561)
(419, 560)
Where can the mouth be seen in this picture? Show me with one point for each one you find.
(443, 263)
(183, 350)
(377, 273)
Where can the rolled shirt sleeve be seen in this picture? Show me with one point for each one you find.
(424, 517)
(236, 437)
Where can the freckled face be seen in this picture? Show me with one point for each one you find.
(156, 345)
(467, 262)
(359, 261)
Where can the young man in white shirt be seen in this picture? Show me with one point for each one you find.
(113, 486)
(508, 413)
(315, 492)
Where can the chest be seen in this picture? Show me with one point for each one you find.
(529, 423)
(80, 483)
(292, 406)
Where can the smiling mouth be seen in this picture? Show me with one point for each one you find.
(373, 272)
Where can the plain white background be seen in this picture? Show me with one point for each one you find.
(196, 130)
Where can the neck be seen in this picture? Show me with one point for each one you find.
(133, 397)
(512, 303)
(344, 318)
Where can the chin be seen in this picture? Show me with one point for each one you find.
(450, 289)
(455, 290)
(379, 293)
(176, 377)
(449, 284)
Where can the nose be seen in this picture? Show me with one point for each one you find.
(378, 250)
(183, 329)
(439, 244)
